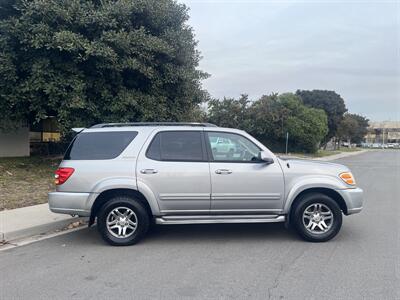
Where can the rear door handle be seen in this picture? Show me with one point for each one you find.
(223, 171)
(148, 171)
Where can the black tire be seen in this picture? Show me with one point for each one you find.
(140, 213)
(299, 222)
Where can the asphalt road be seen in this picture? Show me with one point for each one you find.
(227, 261)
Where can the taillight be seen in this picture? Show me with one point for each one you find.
(62, 175)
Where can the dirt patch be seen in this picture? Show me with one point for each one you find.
(25, 181)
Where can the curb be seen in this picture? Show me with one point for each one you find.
(42, 229)
(36, 238)
(33, 220)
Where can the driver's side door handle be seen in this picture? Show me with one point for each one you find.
(223, 171)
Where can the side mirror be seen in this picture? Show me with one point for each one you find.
(264, 156)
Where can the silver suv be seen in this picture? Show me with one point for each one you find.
(129, 175)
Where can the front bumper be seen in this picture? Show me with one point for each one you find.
(70, 203)
(353, 199)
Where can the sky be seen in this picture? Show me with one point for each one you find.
(260, 47)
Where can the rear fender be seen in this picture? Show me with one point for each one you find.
(150, 196)
(125, 183)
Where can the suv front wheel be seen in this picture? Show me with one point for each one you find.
(317, 217)
(122, 221)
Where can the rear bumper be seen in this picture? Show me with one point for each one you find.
(70, 203)
(354, 200)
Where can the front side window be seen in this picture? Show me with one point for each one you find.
(99, 145)
(232, 147)
(176, 146)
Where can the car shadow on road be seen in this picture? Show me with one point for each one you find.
(240, 233)
(207, 232)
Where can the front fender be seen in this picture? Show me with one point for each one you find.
(297, 186)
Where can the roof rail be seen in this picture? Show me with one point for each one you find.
(104, 125)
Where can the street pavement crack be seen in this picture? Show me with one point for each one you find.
(282, 270)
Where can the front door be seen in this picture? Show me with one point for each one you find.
(240, 182)
(174, 166)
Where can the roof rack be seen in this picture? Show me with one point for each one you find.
(104, 125)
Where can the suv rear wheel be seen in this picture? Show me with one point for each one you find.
(122, 221)
(317, 217)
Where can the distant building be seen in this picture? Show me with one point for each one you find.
(23, 140)
(45, 131)
(383, 132)
(15, 142)
(43, 135)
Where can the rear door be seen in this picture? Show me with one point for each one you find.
(240, 181)
(173, 164)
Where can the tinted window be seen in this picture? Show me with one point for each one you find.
(176, 146)
(99, 145)
(154, 151)
(232, 147)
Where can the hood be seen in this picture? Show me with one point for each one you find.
(307, 166)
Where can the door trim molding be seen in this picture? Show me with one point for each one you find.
(184, 196)
(227, 196)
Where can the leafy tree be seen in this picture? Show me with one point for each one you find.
(275, 115)
(89, 61)
(333, 105)
(353, 128)
(229, 112)
(270, 117)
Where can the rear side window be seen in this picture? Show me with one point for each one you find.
(177, 146)
(99, 145)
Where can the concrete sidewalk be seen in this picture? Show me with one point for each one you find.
(32, 220)
(326, 158)
(340, 155)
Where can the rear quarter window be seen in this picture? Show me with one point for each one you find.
(99, 145)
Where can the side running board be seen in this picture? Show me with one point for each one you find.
(212, 219)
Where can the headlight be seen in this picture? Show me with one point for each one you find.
(348, 178)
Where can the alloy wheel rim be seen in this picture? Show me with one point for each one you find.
(121, 222)
(317, 218)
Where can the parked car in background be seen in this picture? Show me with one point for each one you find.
(127, 176)
(223, 146)
(391, 145)
(367, 145)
